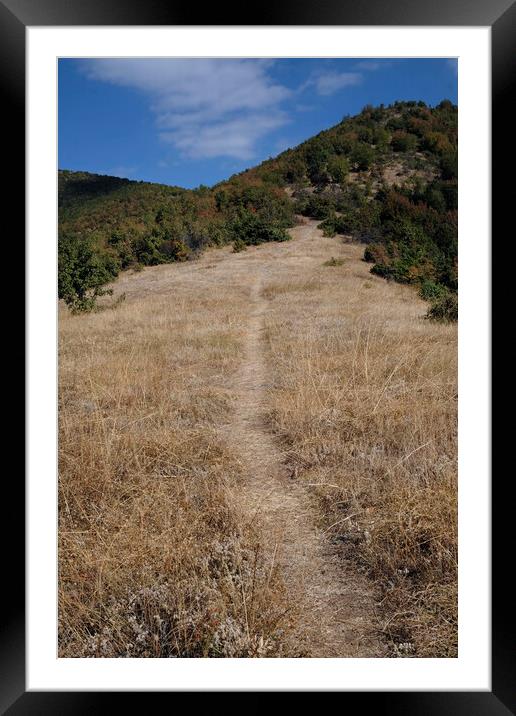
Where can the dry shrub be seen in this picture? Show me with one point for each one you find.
(364, 398)
(154, 558)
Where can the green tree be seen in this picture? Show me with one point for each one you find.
(251, 229)
(82, 273)
(362, 156)
(404, 142)
(317, 153)
(147, 249)
(448, 164)
(295, 170)
(338, 168)
(381, 137)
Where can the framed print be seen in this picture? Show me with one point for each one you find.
(262, 458)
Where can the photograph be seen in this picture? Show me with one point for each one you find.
(258, 280)
(259, 254)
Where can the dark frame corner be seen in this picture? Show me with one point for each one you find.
(500, 15)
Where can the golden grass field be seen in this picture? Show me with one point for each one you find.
(258, 459)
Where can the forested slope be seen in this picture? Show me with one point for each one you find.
(386, 177)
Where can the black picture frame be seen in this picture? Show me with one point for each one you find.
(500, 15)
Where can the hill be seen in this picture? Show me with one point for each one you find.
(386, 177)
(258, 458)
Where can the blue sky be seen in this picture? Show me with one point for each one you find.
(197, 121)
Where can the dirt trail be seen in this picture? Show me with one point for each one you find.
(333, 603)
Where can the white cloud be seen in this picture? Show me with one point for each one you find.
(234, 137)
(203, 107)
(327, 83)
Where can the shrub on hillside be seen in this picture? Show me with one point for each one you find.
(445, 308)
(147, 249)
(337, 225)
(362, 157)
(121, 243)
(403, 142)
(251, 230)
(448, 165)
(295, 171)
(173, 249)
(238, 246)
(381, 137)
(270, 204)
(431, 291)
(343, 143)
(328, 227)
(82, 273)
(334, 262)
(316, 162)
(437, 143)
(376, 253)
(317, 206)
(338, 169)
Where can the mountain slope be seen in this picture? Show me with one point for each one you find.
(387, 177)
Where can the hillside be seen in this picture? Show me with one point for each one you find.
(258, 442)
(257, 458)
(387, 177)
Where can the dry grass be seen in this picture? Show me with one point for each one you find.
(364, 400)
(155, 559)
(159, 554)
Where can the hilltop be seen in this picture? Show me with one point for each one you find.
(386, 177)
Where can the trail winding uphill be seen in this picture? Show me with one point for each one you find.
(255, 449)
(332, 604)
